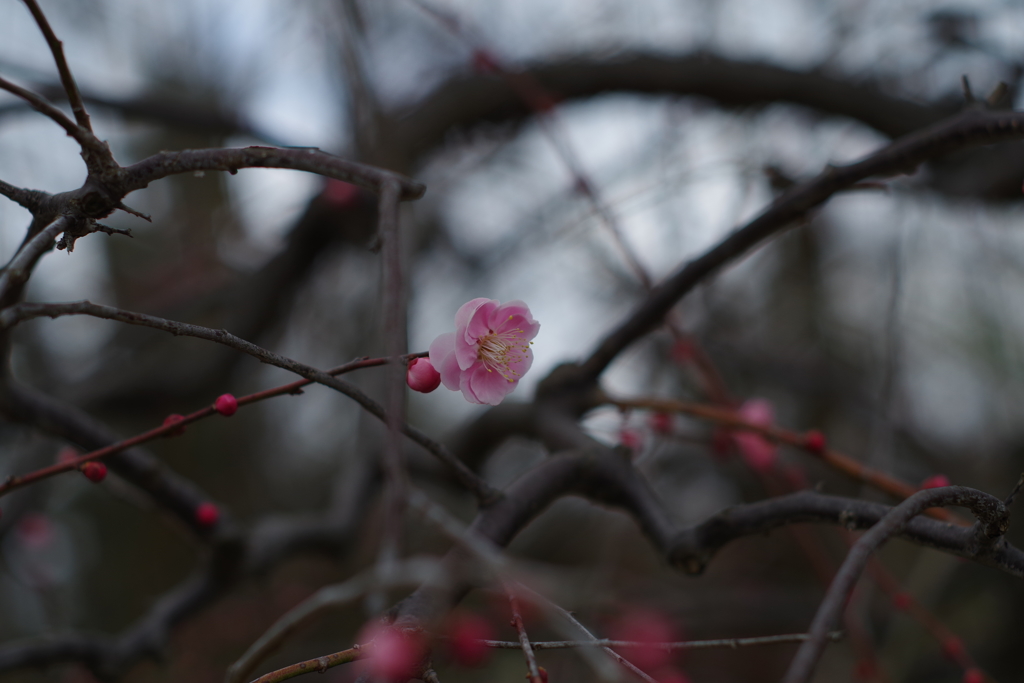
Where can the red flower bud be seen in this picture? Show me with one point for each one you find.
(206, 515)
(94, 471)
(631, 439)
(902, 601)
(661, 423)
(422, 377)
(936, 481)
(484, 62)
(226, 405)
(467, 632)
(341, 195)
(649, 630)
(683, 351)
(395, 655)
(953, 649)
(814, 441)
(974, 676)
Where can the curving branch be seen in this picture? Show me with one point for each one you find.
(141, 174)
(972, 128)
(993, 521)
(96, 153)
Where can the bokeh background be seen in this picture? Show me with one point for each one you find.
(891, 319)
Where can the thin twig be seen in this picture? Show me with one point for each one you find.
(66, 79)
(571, 618)
(500, 565)
(173, 428)
(316, 665)
(329, 598)
(84, 137)
(17, 313)
(524, 639)
(1016, 489)
(727, 643)
(842, 463)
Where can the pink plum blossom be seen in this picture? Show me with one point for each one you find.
(422, 377)
(757, 452)
(489, 351)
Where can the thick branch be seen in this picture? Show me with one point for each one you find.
(693, 548)
(971, 128)
(471, 99)
(29, 199)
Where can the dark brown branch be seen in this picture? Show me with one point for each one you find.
(971, 128)
(66, 79)
(138, 176)
(693, 548)
(608, 478)
(471, 99)
(29, 199)
(26, 311)
(993, 520)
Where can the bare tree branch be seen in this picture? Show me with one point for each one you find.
(139, 175)
(66, 79)
(14, 314)
(973, 127)
(993, 521)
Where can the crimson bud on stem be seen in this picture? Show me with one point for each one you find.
(422, 376)
(226, 405)
(902, 601)
(936, 481)
(661, 423)
(953, 648)
(94, 471)
(207, 515)
(974, 676)
(467, 633)
(814, 441)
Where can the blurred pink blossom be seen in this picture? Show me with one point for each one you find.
(649, 630)
(936, 481)
(395, 655)
(467, 633)
(757, 452)
(489, 351)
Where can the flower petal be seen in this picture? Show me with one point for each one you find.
(442, 357)
(470, 325)
(514, 315)
(480, 386)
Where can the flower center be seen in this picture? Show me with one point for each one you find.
(499, 350)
